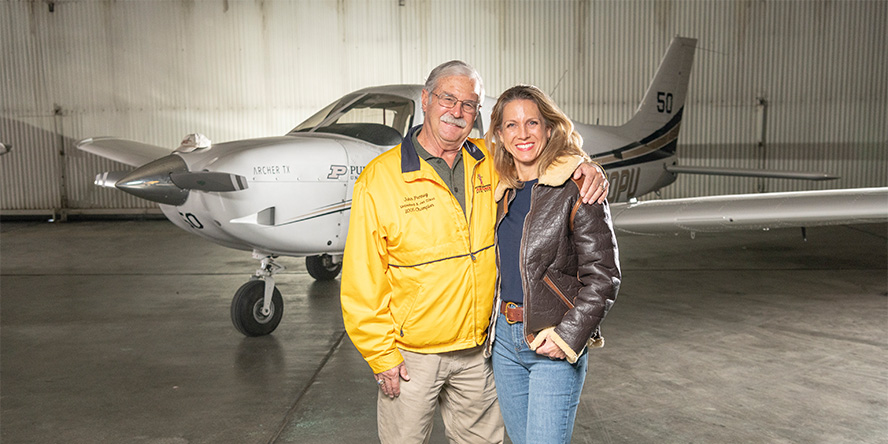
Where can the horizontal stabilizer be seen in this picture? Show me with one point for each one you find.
(125, 151)
(209, 181)
(748, 172)
(109, 179)
(753, 211)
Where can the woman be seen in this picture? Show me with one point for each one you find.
(558, 269)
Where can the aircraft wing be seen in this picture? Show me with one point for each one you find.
(125, 151)
(753, 211)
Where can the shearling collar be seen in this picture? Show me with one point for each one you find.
(556, 174)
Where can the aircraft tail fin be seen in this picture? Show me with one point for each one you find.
(661, 109)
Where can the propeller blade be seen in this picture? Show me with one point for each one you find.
(209, 181)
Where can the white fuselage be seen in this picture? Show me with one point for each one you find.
(307, 179)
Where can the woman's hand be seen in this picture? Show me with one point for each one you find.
(550, 349)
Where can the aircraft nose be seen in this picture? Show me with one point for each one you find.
(152, 181)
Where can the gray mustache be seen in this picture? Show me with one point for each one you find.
(447, 118)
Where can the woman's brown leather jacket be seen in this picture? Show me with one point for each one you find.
(569, 263)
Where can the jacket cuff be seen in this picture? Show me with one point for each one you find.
(386, 362)
(596, 342)
(572, 356)
(579, 160)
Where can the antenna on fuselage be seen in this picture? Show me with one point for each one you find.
(552, 94)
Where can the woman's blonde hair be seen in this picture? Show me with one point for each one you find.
(564, 140)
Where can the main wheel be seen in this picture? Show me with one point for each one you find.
(322, 267)
(246, 309)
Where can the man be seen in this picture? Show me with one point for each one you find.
(419, 269)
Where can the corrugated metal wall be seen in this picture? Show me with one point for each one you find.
(779, 84)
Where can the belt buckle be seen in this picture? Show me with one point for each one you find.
(509, 306)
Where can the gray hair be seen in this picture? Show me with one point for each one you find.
(454, 68)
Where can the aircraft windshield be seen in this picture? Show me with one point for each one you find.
(380, 119)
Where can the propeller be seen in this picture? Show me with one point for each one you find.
(168, 181)
(209, 181)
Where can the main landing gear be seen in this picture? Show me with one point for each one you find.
(257, 307)
(323, 267)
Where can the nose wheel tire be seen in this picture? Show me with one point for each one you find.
(246, 309)
(322, 268)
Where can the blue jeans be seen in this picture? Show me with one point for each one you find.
(538, 396)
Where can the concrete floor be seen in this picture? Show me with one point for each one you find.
(119, 332)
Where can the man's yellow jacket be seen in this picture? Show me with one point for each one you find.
(418, 273)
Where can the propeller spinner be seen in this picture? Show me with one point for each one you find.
(168, 181)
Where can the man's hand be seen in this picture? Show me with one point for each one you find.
(390, 380)
(550, 349)
(595, 186)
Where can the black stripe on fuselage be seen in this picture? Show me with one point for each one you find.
(666, 150)
(338, 208)
(676, 119)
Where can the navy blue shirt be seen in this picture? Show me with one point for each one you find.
(509, 243)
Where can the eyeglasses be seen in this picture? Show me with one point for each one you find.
(448, 101)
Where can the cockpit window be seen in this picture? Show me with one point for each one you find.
(477, 129)
(381, 119)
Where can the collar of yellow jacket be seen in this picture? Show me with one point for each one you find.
(410, 162)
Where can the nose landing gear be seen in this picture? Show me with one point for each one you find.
(257, 307)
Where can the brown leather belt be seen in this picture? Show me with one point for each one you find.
(514, 312)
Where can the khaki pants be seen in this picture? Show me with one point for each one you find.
(461, 382)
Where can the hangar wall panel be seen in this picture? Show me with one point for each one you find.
(776, 84)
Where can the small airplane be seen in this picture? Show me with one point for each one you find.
(291, 195)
